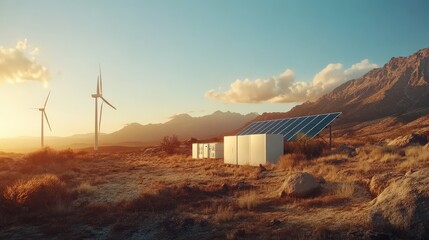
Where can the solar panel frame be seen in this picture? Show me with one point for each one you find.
(265, 127)
(305, 130)
(279, 122)
(250, 126)
(256, 125)
(297, 131)
(292, 126)
(310, 126)
(285, 123)
(329, 121)
(259, 127)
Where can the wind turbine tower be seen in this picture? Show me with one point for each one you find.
(99, 94)
(44, 116)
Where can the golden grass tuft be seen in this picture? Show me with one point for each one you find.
(342, 193)
(224, 214)
(291, 161)
(47, 159)
(37, 193)
(416, 157)
(85, 188)
(249, 200)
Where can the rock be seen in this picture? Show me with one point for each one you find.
(409, 140)
(380, 181)
(378, 235)
(349, 150)
(299, 185)
(404, 206)
(242, 186)
(275, 222)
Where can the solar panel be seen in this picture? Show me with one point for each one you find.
(292, 128)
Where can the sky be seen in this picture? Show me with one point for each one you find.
(162, 58)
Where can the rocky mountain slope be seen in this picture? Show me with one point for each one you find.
(397, 94)
(398, 89)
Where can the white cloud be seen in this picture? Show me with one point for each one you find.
(19, 64)
(285, 89)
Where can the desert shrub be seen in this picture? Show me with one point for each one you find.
(224, 214)
(47, 159)
(310, 148)
(290, 161)
(37, 193)
(249, 200)
(170, 144)
(85, 188)
(416, 157)
(345, 190)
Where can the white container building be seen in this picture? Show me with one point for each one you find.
(265, 148)
(243, 150)
(253, 149)
(200, 150)
(195, 150)
(207, 150)
(216, 150)
(230, 150)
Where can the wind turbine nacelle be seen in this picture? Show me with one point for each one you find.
(95, 95)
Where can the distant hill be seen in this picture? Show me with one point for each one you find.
(184, 126)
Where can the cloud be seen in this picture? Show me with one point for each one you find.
(285, 89)
(19, 64)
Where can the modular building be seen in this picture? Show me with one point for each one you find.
(230, 150)
(207, 150)
(195, 150)
(216, 150)
(253, 149)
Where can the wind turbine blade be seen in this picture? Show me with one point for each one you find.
(101, 113)
(108, 103)
(101, 80)
(98, 85)
(46, 101)
(47, 120)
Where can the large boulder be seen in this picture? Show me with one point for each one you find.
(408, 140)
(379, 182)
(300, 184)
(404, 206)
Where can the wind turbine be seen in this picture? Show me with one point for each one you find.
(44, 116)
(97, 95)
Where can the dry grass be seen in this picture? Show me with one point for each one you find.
(416, 157)
(290, 162)
(85, 188)
(38, 193)
(47, 160)
(342, 193)
(224, 214)
(248, 201)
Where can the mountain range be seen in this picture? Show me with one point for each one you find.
(390, 96)
(183, 125)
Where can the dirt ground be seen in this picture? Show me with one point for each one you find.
(133, 195)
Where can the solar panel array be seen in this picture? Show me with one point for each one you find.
(292, 128)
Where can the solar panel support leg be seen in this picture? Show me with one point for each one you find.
(330, 137)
